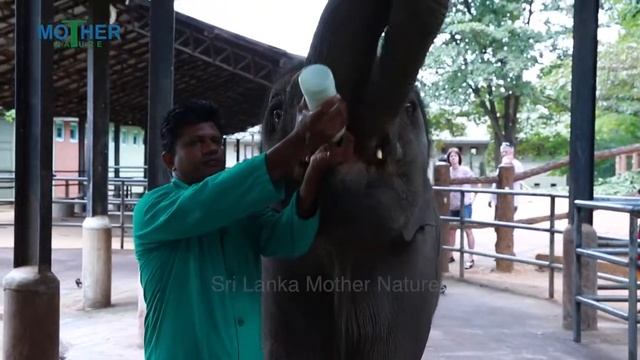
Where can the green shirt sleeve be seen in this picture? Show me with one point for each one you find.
(179, 211)
(285, 233)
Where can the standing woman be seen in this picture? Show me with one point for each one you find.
(457, 170)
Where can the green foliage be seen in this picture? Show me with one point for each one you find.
(614, 130)
(8, 115)
(618, 95)
(485, 46)
(476, 69)
(626, 184)
(439, 121)
(541, 145)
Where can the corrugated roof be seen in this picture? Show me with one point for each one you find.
(210, 63)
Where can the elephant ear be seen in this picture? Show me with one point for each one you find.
(423, 215)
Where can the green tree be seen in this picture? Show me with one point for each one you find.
(618, 94)
(8, 115)
(475, 71)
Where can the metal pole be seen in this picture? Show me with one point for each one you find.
(121, 216)
(577, 276)
(224, 149)
(161, 48)
(632, 320)
(552, 245)
(34, 121)
(81, 156)
(116, 157)
(31, 316)
(583, 103)
(237, 151)
(461, 265)
(96, 228)
(97, 147)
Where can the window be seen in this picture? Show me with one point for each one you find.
(134, 139)
(59, 131)
(73, 132)
(123, 136)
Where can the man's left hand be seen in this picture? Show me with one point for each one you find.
(328, 156)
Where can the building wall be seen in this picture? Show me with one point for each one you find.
(542, 181)
(65, 155)
(248, 149)
(132, 151)
(7, 155)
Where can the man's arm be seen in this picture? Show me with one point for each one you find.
(215, 202)
(291, 232)
(286, 233)
(237, 192)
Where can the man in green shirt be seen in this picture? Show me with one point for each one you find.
(199, 239)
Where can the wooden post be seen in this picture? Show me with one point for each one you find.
(621, 164)
(636, 162)
(504, 212)
(589, 278)
(442, 177)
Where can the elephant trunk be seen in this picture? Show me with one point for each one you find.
(346, 41)
(375, 86)
(412, 28)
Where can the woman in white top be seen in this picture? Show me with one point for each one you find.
(457, 170)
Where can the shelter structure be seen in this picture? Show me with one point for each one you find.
(159, 58)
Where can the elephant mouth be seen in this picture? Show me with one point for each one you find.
(359, 195)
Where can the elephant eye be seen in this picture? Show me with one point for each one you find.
(410, 108)
(277, 115)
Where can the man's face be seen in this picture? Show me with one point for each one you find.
(198, 153)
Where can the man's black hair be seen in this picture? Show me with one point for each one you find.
(188, 114)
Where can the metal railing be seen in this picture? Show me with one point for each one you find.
(603, 241)
(123, 198)
(631, 207)
(551, 230)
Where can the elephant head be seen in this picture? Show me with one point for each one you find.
(378, 216)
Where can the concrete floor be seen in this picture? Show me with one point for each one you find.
(472, 321)
(476, 322)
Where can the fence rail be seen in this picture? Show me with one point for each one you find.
(632, 208)
(123, 198)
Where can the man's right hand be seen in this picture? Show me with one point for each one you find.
(322, 125)
(313, 130)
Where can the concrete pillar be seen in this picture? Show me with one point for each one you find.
(31, 314)
(589, 277)
(96, 229)
(442, 177)
(96, 262)
(504, 212)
